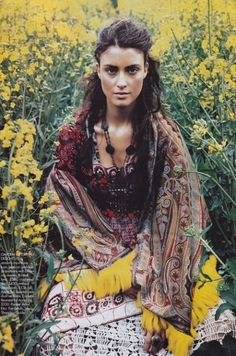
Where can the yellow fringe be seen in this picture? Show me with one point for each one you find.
(118, 277)
(109, 281)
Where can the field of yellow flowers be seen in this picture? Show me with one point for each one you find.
(45, 50)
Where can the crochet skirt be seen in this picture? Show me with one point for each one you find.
(109, 326)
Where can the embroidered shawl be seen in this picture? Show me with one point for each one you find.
(166, 259)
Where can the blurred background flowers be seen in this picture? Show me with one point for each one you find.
(46, 48)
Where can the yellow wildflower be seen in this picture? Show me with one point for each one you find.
(199, 130)
(7, 134)
(16, 88)
(26, 126)
(203, 71)
(44, 199)
(37, 240)
(231, 41)
(2, 164)
(6, 338)
(29, 207)
(12, 204)
(49, 60)
(28, 232)
(2, 230)
(38, 79)
(31, 69)
(215, 147)
(6, 191)
(20, 139)
(5, 92)
(30, 222)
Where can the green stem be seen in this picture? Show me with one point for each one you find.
(209, 24)
(192, 88)
(209, 248)
(9, 163)
(217, 183)
(24, 99)
(187, 62)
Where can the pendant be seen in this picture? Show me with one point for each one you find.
(110, 149)
(130, 150)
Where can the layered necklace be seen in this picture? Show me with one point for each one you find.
(130, 150)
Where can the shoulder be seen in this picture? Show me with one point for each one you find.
(166, 126)
(74, 131)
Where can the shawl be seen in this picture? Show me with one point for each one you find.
(166, 259)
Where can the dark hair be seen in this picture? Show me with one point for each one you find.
(125, 33)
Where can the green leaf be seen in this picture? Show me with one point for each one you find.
(45, 325)
(232, 215)
(48, 164)
(228, 297)
(222, 308)
(50, 270)
(231, 264)
(40, 132)
(71, 279)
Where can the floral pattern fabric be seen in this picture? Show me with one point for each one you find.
(166, 259)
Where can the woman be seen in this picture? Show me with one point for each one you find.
(127, 197)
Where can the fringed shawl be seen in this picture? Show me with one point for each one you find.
(166, 260)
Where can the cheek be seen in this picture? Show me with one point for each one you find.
(106, 84)
(138, 83)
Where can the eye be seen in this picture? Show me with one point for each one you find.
(111, 70)
(132, 69)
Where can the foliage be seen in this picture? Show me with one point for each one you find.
(201, 92)
(45, 50)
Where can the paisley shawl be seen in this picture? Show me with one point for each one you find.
(166, 259)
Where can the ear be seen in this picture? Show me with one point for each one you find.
(146, 66)
(98, 70)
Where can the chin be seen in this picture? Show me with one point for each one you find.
(123, 104)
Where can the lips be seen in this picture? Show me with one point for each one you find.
(121, 93)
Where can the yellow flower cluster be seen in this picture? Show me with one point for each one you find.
(6, 337)
(47, 212)
(203, 137)
(18, 188)
(215, 147)
(48, 197)
(20, 136)
(7, 134)
(198, 131)
(29, 229)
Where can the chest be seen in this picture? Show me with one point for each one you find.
(119, 140)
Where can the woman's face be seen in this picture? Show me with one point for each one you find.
(122, 71)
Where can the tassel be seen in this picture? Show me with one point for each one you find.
(205, 295)
(109, 281)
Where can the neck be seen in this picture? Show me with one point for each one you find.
(118, 117)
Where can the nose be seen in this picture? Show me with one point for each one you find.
(121, 81)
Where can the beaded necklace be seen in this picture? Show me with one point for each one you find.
(130, 150)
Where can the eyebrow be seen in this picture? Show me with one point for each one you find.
(131, 65)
